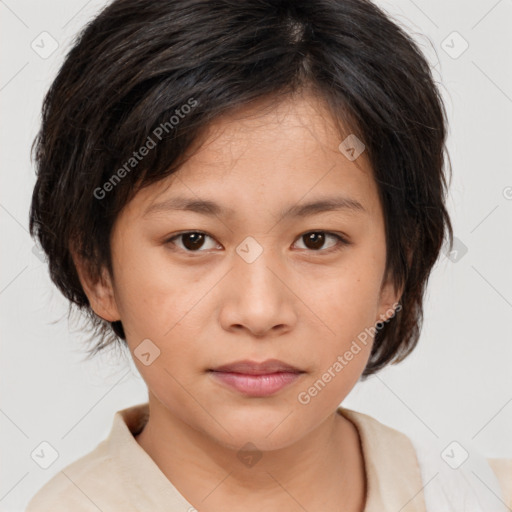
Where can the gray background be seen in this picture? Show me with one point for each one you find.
(457, 385)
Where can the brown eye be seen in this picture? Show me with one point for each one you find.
(196, 241)
(192, 241)
(315, 240)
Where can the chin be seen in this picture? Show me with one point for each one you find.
(257, 440)
(266, 431)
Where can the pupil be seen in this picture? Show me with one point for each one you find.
(317, 239)
(197, 240)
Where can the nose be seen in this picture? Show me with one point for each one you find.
(257, 298)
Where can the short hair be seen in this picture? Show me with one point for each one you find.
(137, 64)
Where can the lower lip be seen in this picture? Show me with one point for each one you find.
(256, 385)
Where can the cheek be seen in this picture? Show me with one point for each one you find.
(347, 303)
(165, 308)
(151, 297)
(347, 298)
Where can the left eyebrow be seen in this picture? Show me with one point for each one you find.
(324, 205)
(210, 208)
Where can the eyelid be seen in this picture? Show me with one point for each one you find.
(343, 240)
(170, 239)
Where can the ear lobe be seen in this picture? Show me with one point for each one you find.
(100, 291)
(389, 301)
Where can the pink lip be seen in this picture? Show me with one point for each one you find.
(254, 368)
(257, 379)
(256, 385)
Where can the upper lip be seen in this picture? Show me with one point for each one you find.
(248, 367)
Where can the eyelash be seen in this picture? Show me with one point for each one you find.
(342, 241)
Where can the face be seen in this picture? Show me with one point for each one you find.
(256, 276)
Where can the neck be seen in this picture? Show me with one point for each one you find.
(323, 470)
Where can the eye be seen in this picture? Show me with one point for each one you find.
(314, 240)
(192, 240)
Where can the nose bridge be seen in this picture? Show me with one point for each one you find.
(258, 300)
(253, 263)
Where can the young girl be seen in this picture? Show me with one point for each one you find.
(250, 196)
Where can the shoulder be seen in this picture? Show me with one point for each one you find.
(100, 480)
(392, 471)
(378, 438)
(502, 468)
(451, 474)
(77, 486)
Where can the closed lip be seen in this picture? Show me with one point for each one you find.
(248, 367)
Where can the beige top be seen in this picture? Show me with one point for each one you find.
(119, 476)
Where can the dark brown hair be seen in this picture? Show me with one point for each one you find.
(136, 65)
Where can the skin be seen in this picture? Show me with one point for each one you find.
(210, 307)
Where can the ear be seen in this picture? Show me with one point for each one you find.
(389, 300)
(390, 297)
(99, 292)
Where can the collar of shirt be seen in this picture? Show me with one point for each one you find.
(391, 466)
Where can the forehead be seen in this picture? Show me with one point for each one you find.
(299, 126)
(269, 153)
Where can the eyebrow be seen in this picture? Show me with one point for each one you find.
(210, 208)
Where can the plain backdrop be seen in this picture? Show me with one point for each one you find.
(457, 384)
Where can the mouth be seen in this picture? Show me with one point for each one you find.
(252, 378)
(248, 367)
